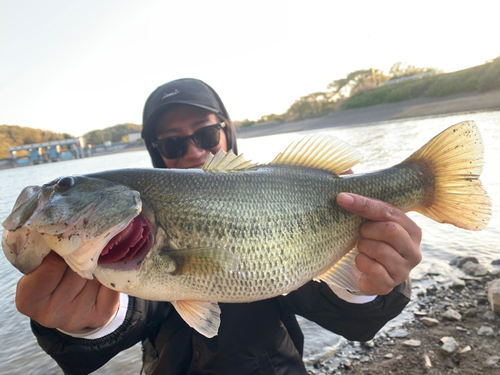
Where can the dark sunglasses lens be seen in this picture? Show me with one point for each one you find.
(173, 148)
(207, 138)
(176, 147)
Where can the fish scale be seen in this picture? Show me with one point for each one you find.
(294, 229)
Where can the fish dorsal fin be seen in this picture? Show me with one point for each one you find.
(320, 151)
(202, 316)
(226, 162)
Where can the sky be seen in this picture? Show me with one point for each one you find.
(79, 65)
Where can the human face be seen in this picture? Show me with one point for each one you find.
(182, 121)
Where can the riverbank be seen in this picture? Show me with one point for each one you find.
(453, 331)
(415, 108)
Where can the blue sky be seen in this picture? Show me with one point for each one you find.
(75, 65)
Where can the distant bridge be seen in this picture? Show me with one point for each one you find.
(48, 151)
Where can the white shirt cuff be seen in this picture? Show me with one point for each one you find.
(111, 326)
(349, 297)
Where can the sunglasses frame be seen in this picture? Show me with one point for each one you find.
(182, 142)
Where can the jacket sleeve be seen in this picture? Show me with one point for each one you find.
(357, 322)
(78, 356)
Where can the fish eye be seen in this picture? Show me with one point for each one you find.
(65, 183)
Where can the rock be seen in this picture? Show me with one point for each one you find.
(460, 261)
(431, 290)
(412, 343)
(492, 361)
(482, 298)
(427, 360)
(458, 285)
(347, 365)
(465, 350)
(449, 345)
(471, 313)
(496, 262)
(490, 315)
(481, 270)
(461, 329)
(474, 269)
(494, 296)
(388, 356)
(368, 344)
(420, 313)
(452, 315)
(398, 333)
(485, 331)
(429, 322)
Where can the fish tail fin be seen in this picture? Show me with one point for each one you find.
(455, 160)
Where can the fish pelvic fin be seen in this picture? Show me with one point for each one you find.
(202, 316)
(455, 160)
(320, 151)
(343, 274)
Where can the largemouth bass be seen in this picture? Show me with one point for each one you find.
(235, 231)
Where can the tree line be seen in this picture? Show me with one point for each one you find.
(13, 135)
(367, 87)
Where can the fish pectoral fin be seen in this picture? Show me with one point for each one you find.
(199, 261)
(202, 316)
(343, 274)
(223, 162)
(320, 151)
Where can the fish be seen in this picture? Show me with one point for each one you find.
(236, 231)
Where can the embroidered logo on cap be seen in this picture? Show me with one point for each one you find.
(167, 95)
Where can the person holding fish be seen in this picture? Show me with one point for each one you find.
(83, 323)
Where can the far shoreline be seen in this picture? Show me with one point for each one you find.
(414, 108)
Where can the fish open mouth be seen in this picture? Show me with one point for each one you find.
(130, 245)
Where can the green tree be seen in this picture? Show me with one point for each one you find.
(112, 134)
(400, 70)
(310, 106)
(359, 80)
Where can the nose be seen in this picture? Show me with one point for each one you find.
(193, 151)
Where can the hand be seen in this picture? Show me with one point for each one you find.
(56, 297)
(389, 247)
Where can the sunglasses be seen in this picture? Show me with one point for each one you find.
(205, 138)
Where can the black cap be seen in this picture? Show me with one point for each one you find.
(188, 91)
(182, 91)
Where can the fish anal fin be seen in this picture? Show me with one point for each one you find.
(320, 151)
(224, 162)
(343, 274)
(202, 316)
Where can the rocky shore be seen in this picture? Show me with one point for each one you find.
(455, 329)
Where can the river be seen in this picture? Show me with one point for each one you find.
(383, 144)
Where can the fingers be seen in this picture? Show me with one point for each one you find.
(398, 239)
(57, 297)
(376, 210)
(374, 279)
(37, 287)
(389, 246)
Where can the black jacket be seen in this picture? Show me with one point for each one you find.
(254, 338)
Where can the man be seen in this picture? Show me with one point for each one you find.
(82, 324)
